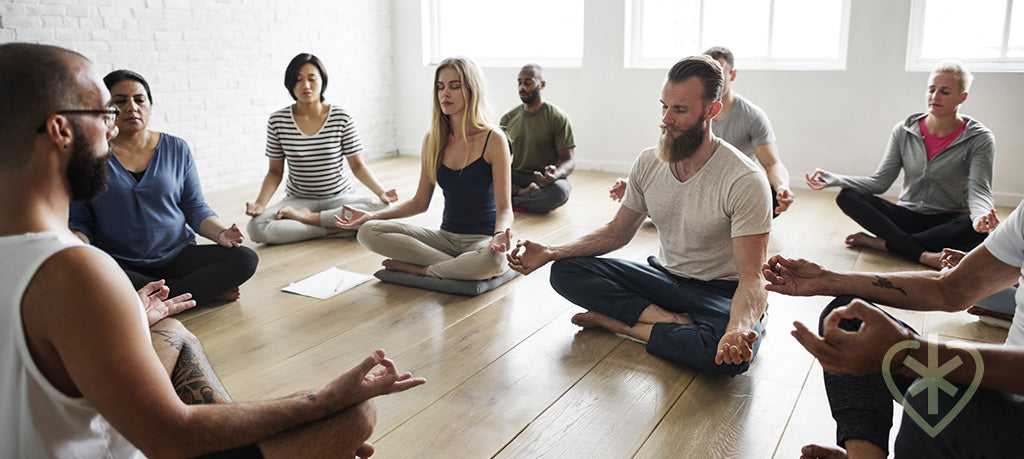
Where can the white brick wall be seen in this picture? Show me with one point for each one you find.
(216, 68)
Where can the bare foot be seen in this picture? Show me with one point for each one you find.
(395, 265)
(654, 314)
(590, 319)
(527, 190)
(230, 295)
(863, 239)
(683, 319)
(283, 212)
(933, 259)
(640, 332)
(302, 214)
(821, 452)
(366, 450)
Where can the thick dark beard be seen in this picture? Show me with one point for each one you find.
(87, 173)
(689, 141)
(530, 96)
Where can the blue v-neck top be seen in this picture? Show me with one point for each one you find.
(146, 222)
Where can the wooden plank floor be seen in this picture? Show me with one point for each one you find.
(507, 374)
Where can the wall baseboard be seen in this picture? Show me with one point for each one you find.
(1001, 198)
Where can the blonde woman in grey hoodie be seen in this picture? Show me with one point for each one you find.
(946, 158)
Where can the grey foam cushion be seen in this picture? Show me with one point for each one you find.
(458, 287)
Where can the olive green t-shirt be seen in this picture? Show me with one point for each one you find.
(535, 138)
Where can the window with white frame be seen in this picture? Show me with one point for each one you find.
(763, 34)
(504, 33)
(987, 35)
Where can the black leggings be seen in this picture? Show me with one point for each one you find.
(862, 407)
(251, 451)
(205, 271)
(775, 202)
(905, 232)
(860, 404)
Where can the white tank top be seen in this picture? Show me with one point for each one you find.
(38, 420)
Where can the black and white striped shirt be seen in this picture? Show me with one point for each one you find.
(315, 163)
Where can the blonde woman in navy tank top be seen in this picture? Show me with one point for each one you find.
(469, 159)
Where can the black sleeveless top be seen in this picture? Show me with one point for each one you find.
(468, 197)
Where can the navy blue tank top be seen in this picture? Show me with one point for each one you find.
(468, 197)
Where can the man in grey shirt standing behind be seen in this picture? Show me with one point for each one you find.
(746, 127)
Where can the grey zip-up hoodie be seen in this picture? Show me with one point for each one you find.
(958, 179)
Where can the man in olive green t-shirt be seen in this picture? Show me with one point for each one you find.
(542, 145)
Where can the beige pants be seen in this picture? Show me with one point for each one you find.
(445, 254)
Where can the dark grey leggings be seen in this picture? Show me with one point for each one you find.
(546, 199)
(622, 289)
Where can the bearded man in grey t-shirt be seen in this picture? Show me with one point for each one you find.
(701, 301)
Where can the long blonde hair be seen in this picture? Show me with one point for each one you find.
(474, 117)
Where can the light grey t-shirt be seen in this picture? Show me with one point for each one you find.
(697, 219)
(745, 127)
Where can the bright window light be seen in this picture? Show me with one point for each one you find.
(501, 33)
(986, 35)
(763, 34)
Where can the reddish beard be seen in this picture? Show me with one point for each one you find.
(689, 140)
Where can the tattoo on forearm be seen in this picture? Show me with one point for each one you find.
(886, 283)
(193, 377)
(311, 397)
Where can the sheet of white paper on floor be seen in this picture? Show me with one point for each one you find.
(326, 284)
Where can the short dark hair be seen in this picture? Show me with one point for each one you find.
(118, 76)
(721, 52)
(704, 68)
(291, 74)
(36, 81)
(538, 71)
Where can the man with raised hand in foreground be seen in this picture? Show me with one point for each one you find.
(858, 345)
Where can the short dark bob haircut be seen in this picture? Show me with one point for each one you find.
(291, 74)
(118, 76)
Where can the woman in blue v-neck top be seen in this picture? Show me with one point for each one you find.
(153, 207)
